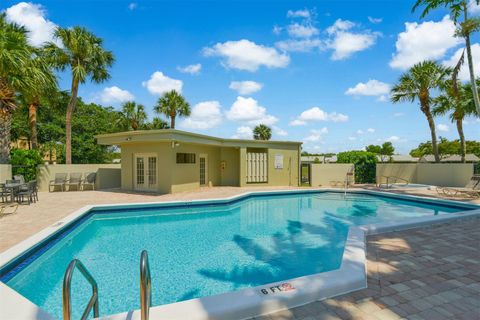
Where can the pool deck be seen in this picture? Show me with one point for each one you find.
(426, 273)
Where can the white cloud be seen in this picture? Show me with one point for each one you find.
(393, 139)
(277, 30)
(249, 111)
(352, 138)
(443, 127)
(398, 114)
(298, 30)
(192, 68)
(246, 87)
(317, 114)
(159, 83)
(33, 18)
(345, 43)
(279, 131)
(464, 74)
(424, 41)
(473, 7)
(132, 5)
(316, 135)
(370, 88)
(305, 13)
(375, 20)
(247, 55)
(205, 115)
(304, 45)
(371, 130)
(243, 132)
(115, 94)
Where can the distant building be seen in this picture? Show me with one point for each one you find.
(469, 157)
(319, 159)
(397, 158)
(49, 154)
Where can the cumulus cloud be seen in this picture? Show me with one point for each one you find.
(191, 69)
(246, 87)
(370, 88)
(316, 135)
(443, 127)
(249, 111)
(424, 41)
(298, 30)
(464, 74)
(247, 55)
(345, 42)
(279, 131)
(115, 95)
(317, 114)
(33, 17)
(159, 83)
(375, 20)
(303, 45)
(243, 132)
(205, 115)
(305, 13)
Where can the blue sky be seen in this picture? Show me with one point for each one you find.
(315, 71)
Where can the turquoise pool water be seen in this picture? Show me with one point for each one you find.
(205, 250)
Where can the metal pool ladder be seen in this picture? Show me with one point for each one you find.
(145, 289)
(67, 294)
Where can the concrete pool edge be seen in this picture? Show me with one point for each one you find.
(247, 302)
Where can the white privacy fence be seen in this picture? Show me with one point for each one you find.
(257, 167)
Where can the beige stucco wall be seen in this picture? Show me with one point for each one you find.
(5, 172)
(436, 174)
(230, 172)
(108, 175)
(323, 173)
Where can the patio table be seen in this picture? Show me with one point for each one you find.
(12, 187)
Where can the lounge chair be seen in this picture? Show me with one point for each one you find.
(59, 181)
(89, 180)
(75, 180)
(472, 189)
(8, 208)
(391, 180)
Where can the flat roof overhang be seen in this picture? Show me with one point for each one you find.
(168, 135)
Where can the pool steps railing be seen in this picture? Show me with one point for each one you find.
(145, 286)
(145, 289)
(67, 293)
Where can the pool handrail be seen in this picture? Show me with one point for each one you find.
(145, 286)
(67, 294)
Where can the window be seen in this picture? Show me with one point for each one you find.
(185, 157)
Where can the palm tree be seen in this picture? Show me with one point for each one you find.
(465, 28)
(458, 101)
(83, 53)
(262, 132)
(173, 104)
(157, 123)
(134, 115)
(416, 84)
(17, 74)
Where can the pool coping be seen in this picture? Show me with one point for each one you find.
(247, 302)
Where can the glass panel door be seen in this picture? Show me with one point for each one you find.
(145, 172)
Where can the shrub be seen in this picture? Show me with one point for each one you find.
(25, 162)
(364, 162)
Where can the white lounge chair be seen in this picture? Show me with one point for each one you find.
(472, 189)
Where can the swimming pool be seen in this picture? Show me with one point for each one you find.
(199, 250)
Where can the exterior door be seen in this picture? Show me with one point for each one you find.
(203, 160)
(145, 176)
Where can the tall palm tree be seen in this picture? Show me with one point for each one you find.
(173, 104)
(458, 101)
(262, 132)
(465, 28)
(134, 115)
(17, 74)
(416, 84)
(83, 53)
(41, 86)
(157, 123)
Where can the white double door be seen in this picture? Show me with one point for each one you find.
(145, 175)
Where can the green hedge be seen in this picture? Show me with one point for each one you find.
(25, 162)
(365, 164)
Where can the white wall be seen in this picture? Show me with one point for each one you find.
(322, 174)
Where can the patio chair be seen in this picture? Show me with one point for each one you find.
(89, 180)
(19, 177)
(8, 208)
(75, 180)
(59, 181)
(4, 193)
(472, 189)
(27, 193)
